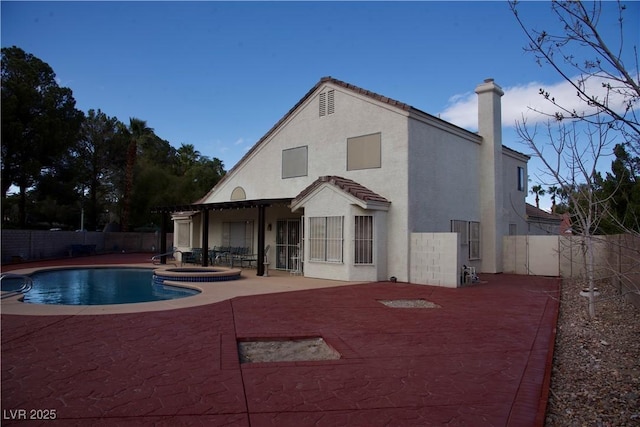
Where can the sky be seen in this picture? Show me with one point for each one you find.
(219, 75)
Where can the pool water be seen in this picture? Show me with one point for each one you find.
(98, 286)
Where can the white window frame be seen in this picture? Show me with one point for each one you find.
(462, 228)
(326, 239)
(363, 244)
(469, 236)
(183, 229)
(522, 179)
(474, 240)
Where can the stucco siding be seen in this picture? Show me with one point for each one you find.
(329, 202)
(443, 178)
(427, 171)
(260, 175)
(514, 200)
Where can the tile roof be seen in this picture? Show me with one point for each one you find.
(348, 186)
(539, 214)
(365, 92)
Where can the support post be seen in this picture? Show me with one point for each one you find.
(261, 240)
(163, 237)
(205, 237)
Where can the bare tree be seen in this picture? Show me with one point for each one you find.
(604, 73)
(571, 152)
(605, 77)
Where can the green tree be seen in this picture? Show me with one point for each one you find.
(538, 191)
(100, 157)
(622, 188)
(188, 156)
(554, 192)
(200, 178)
(39, 121)
(154, 185)
(137, 132)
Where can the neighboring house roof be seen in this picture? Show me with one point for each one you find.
(365, 196)
(384, 99)
(536, 214)
(565, 227)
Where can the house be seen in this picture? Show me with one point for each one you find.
(352, 185)
(540, 222)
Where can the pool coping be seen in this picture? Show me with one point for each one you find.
(210, 292)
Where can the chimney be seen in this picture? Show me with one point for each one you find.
(491, 194)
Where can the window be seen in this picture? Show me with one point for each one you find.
(238, 194)
(325, 238)
(521, 179)
(184, 237)
(363, 240)
(513, 229)
(460, 227)
(469, 236)
(364, 152)
(474, 240)
(294, 162)
(326, 103)
(238, 234)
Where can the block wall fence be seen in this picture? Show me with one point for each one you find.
(29, 245)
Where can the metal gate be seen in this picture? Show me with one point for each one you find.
(288, 243)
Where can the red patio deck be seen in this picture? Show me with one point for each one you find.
(482, 359)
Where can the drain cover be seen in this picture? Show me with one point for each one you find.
(409, 303)
(286, 350)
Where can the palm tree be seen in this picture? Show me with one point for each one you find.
(553, 192)
(136, 131)
(187, 157)
(538, 191)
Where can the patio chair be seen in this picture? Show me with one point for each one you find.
(469, 275)
(193, 257)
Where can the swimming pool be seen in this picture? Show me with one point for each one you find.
(98, 286)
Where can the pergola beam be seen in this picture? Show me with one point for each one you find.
(204, 209)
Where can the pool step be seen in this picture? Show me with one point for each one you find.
(27, 284)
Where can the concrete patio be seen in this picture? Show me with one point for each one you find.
(482, 359)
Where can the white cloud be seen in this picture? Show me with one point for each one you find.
(462, 110)
(525, 99)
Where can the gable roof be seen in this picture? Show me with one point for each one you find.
(324, 80)
(368, 198)
(537, 214)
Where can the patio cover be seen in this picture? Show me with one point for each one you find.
(261, 204)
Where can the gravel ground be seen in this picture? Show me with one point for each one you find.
(286, 350)
(596, 367)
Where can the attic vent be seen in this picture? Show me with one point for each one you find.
(323, 104)
(327, 105)
(330, 103)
